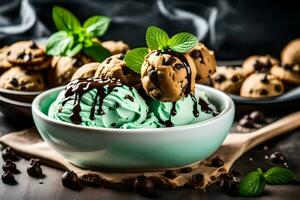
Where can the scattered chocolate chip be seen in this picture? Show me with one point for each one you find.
(217, 162)
(234, 78)
(168, 61)
(70, 180)
(8, 165)
(186, 170)
(197, 178)
(130, 98)
(91, 180)
(179, 66)
(9, 154)
(170, 174)
(263, 92)
(277, 158)
(277, 88)
(144, 186)
(14, 82)
(196, 54)
(8, 178)
(34, 169)
(257, 116)
(220, 78)
(246, 122)
(229, 184)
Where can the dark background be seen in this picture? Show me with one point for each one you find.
(235, 29)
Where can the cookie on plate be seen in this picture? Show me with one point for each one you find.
(258, 63)
(288, 73)
(115, 47)
(4, 64)
(261, 85)
(16, 78)
(291, 53)
(228, 79)
(86, 71)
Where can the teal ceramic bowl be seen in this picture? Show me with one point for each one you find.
(134, 149)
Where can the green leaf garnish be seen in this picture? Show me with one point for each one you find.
(64, 19)
(96, 25)
(253, 184)
(279, 175)
(97, 52)
(135, 58)
(182, 42)
(156, 38)
(58, 43)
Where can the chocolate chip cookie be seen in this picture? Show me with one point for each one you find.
(205, 62)
(115, 67)
(19, 79)
(228, 79)
(291, 53)
(261, 85)
(4, 64)
(86, 71)
(116, 47)
(287, 73)
(259, 63)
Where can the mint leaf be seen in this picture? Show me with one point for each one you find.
(58, 43)
(253, 184)
(97, 52)
(279, 175)
(135, 58)
(97, 25)
(182, 42)
(64, 19)
(72, 51)
(156, 38)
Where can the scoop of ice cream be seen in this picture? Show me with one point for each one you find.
(115, 47)
(150, 122)
(99, 103)
(168, 76)
(115, 67)
(258, 63)
(205, 62)
(291, 53)
(188, 110)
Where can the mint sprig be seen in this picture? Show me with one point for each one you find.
(157, 39)
(254, 183)
(135, 58)
(73, 38)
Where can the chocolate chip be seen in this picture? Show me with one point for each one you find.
(179, 66)
(23, 88)
(21, 55)
(113, 125)
(91, 180)
(246, 122)
(34, 169)
(121, 57)
(277, 88)
(186, 170)
(229, 184)
(263, 92)
(108, 60)
(70, 180)
(126, 70)
(196, 54)
(277, 158)
(153, 76)
(8, 53)
(257, 116)
(130, 98)
(168, 61)
(265, 80)
(217, 162)
(170, 174)
(234, 78)
(251, 91)
(8, 178)
(34, 46)
(144, 186)
(220, 78)
(262, 67)
(197, 178)
(27, 57)
(9, 154)
(8, 165)
(14, 82)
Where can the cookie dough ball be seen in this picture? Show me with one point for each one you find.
(168, 76)
(86, 71)
(287, 73)
(115, 47)
(291, 53)
(228, 79)
(4, 64)
(19, 79)
(63, 69)
(115, 67)
(205, 62)
(258, 63)
(261, 85)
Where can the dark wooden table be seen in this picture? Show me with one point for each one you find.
(51, 188)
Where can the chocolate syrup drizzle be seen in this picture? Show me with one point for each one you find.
(80, 86)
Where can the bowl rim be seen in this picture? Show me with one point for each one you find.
(15, 103)
(23, 93)
(228, 102)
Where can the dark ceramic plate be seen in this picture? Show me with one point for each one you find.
(15, 109)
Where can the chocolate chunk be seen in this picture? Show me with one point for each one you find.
(217, 162)
(70, 180)
(8, 53)
(229, 184)
(196, 54)
(21, 55)
(265, 80)
(246, 122)
(234, 78)
(34, 46)
(251, 91)
(121, 57)
(144, 186)
(197, 178)
(8, 165)
(263, 92)
(9, 154)
(129, 97)
(220, 78)
(34, 169)
(8, 178)
(277, 88)
(14, 82)
(277, 158)
(186, 170)
(179, 66)
(257, 116)
(170, 174)
(168, 61)
(153, 76)
(91, 180)
(262, 67)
